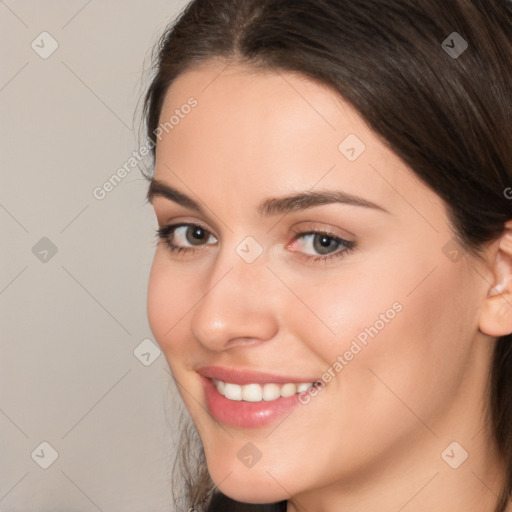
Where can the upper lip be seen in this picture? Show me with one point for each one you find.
(242, 377)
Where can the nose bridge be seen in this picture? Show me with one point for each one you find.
(235, 304)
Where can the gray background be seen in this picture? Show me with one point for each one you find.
(71, 321)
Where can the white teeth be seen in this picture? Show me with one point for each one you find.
(232, 391)
(303, 387)
(252, 392)
(257, 392)
(220, 386)
(288, 390)
(271, 392)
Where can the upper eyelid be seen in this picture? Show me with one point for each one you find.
(205, 226)
(298, 233)
(176, 225)
(210, 220)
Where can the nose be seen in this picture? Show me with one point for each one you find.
(237, 308)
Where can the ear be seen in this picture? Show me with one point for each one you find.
(496, 313)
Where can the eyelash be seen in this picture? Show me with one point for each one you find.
(164, 233)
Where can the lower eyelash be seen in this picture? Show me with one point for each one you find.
(177, 249)
(163, 233)
(349, 247)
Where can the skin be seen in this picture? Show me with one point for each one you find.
(373, 438)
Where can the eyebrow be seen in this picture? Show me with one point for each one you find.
(271, 206)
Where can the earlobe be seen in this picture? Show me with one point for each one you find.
(496, 313)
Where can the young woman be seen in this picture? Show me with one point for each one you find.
(332, 287)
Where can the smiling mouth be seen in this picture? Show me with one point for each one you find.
(255, 392)
(244, 413)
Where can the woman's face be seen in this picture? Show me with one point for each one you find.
(368, 296)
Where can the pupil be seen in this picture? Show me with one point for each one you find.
(323, 242)
(197, 235)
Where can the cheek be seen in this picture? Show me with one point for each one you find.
(169, 299)
(413, 362)
(332, 309)
(388, 341)
(158, 298)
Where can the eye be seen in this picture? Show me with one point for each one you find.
(184, 237)
(321, 245)
(316, 245)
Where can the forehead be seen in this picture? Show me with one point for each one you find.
(276, 132)
(270, 98)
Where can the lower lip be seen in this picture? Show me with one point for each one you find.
(239, 413)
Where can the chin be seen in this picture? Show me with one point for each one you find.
(247, 485)
(253, 493)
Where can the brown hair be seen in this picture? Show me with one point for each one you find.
(447, 116)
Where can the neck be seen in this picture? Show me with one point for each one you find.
(423, 483)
